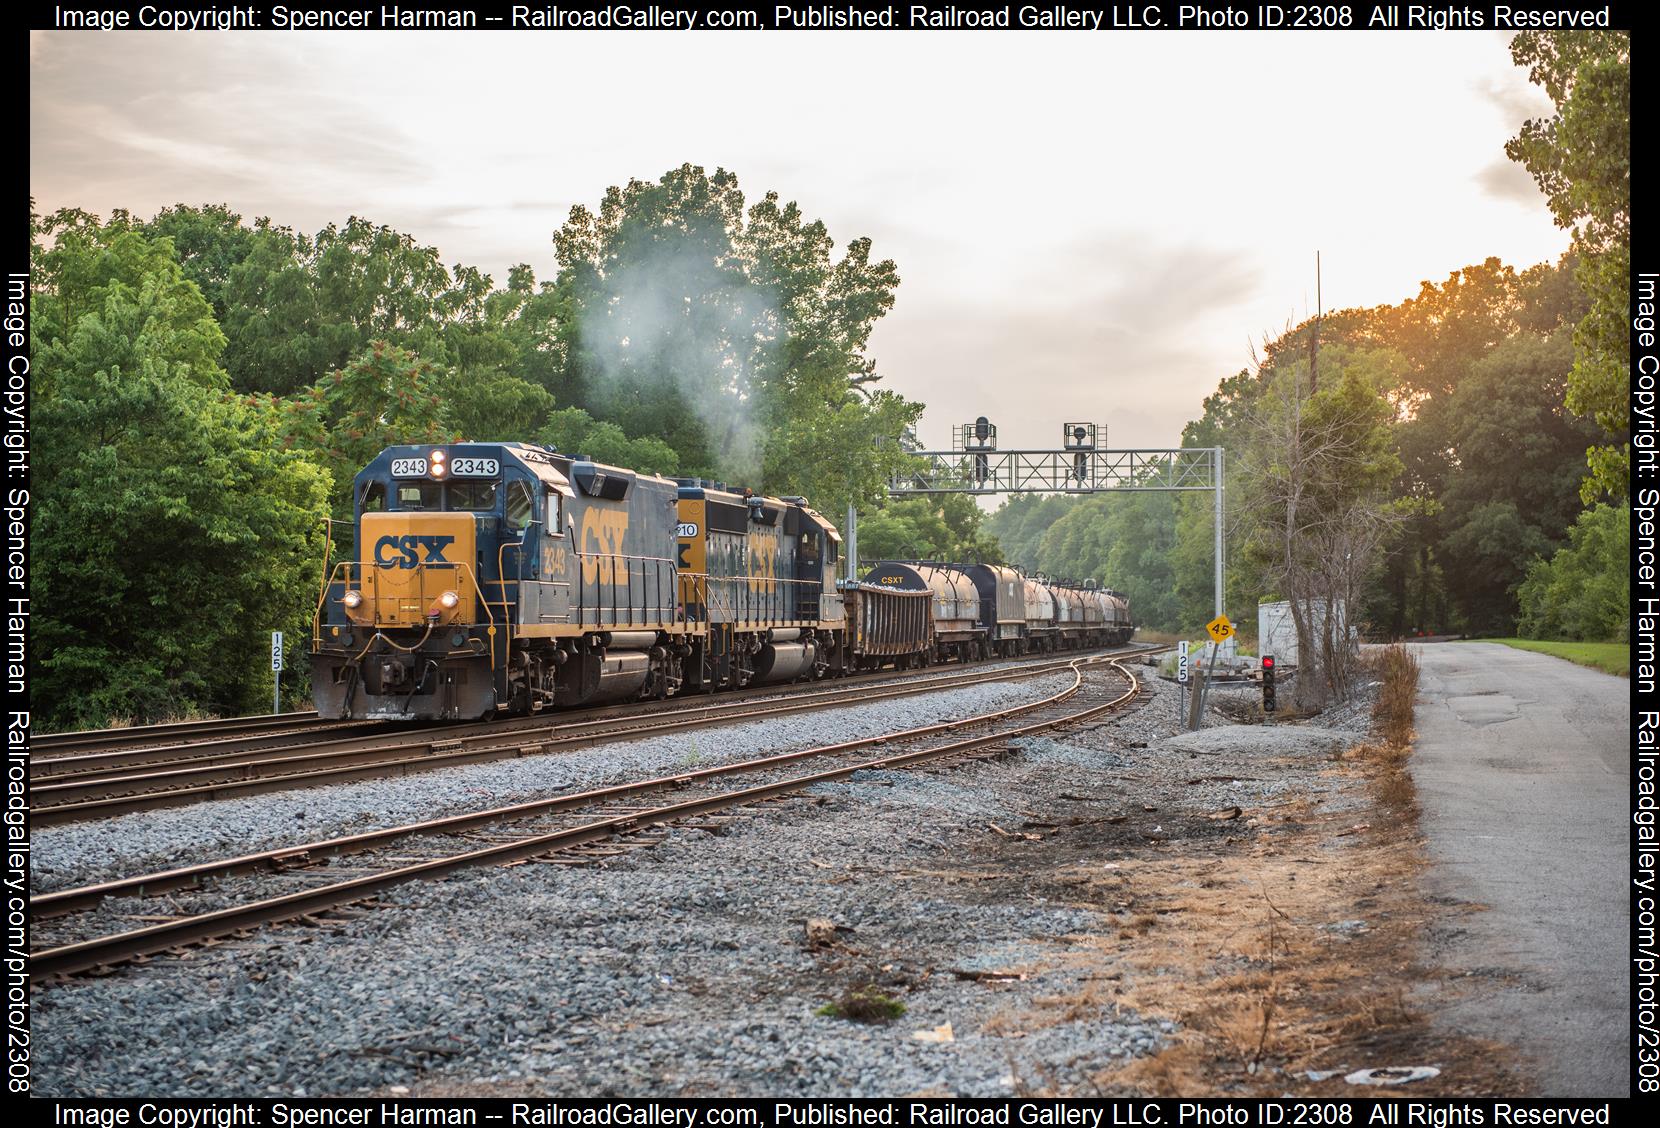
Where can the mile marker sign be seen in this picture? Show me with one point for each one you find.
(1219, 629)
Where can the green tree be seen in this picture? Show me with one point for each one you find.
(208, 531)
(1020, 522)
(1584, 591)
(1581, 159)
(1513, 491)
(210, 242)
(945, 527)
(386, 396)
(80, 264)
(1125, 541)
(574, 431)
(494, 406)
(298, 306)
(735, 336)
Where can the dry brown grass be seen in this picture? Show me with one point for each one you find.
(1290, 944)
(1257, 957)
(1291, 950)
(1392, 723)
(1392, 713)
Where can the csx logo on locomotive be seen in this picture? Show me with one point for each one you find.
(401, 552)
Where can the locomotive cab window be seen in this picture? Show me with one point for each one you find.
(521, 507)
(480, 497)
(420, 495)
(556, 520)
(374, 498)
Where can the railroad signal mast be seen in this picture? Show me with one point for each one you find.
(1268, 705)
(1082, 464)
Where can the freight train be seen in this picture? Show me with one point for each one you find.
(511, 578)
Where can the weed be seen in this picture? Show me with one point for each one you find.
(866, 1004)
(1392, 721)
(1392, 713)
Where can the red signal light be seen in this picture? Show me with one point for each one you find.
(1268, 661)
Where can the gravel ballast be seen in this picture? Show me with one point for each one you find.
(684, 968)
(82, 853)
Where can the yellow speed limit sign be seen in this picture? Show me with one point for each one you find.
(1220, 629)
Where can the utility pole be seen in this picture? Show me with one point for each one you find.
(1314, 337)
(1219, 454)
(852, 543)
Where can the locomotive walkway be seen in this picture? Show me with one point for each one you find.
(1523, 778)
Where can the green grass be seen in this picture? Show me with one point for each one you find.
(1609, 657)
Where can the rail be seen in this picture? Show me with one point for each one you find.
(103, 951)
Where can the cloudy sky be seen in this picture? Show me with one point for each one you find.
(1088, 226)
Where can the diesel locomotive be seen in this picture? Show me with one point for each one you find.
(509, 577)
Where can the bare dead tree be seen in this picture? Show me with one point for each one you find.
(1315, 470)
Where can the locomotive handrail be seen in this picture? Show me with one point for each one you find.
(664, 611)
(746, 599)
(317, 615)
(501, 575)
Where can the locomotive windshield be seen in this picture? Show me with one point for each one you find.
(420, 495)
(480, 497)
(475, 497)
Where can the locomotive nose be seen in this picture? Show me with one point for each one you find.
(417, 567)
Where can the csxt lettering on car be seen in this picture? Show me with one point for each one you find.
(409, 550)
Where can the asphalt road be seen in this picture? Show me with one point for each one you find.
(1522, 768)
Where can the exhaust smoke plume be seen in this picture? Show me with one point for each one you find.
(676, 319)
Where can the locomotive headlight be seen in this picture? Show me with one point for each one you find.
(438, 469)
(448, 600)
(352, 599)
(439, 456)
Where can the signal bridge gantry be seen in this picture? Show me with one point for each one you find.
(1082, 464)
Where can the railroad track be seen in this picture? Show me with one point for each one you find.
(69, 790)
(60, 753)
(50, 745)
(308, 882)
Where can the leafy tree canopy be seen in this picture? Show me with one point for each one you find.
(209, 531)
(1581, 159)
